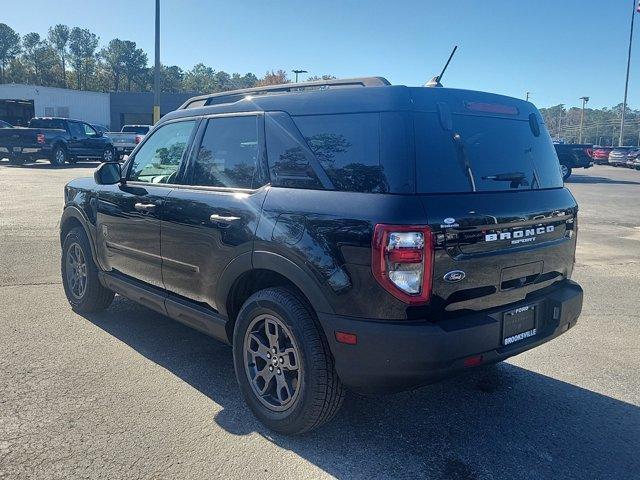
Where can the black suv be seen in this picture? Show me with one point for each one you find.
(346, 233)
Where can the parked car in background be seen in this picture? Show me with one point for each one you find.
(58, 140)
(573, 155)
(126, 140)
(4, 124)
(601, 155)
(618, 156)
(633, 158)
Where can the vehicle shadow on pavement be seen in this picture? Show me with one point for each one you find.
(45, 165)
(497, 422)
(589, 179)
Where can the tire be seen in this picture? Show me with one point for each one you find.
(314, 392)
(16, 160)
(565, 171)
(108, 155)
(58, 156)
(93, 297)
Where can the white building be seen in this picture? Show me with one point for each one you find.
(19, 103)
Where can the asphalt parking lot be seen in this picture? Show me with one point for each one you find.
(130, 394)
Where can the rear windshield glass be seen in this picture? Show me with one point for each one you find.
(489, 152)
(46, 123)
(137, 130)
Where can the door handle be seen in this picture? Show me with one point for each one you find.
(145, 207)
(222, 220)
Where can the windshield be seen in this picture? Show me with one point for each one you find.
(482, 153)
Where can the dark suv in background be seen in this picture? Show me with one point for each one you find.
(345, 233)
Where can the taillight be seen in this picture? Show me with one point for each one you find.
(138, 139)
(402, 261)
(40, 137)
(589, 152)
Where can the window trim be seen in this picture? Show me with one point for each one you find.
(185, 156)
(261, 169)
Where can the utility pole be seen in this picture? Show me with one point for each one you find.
(528, 93)
(156, 71)
(584, 102)
(626, 82)
(297, 72)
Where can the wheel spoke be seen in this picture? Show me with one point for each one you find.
(290, 358)
(261, 349)
(283, 391)
(271, 330)
(266, 375)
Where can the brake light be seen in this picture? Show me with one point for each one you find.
(402, 261)
(485, 107)
(589, 152)
(40, 137)
(138, 139)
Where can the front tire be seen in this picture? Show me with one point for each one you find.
(80, 280)
(565, 171)
(283, 363)
(16, 160)
(58, 156)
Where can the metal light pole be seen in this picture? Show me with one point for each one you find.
(156, 72)
(626, 82)
(297, 72)
(584, 102)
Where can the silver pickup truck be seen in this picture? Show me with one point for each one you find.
(126, 140)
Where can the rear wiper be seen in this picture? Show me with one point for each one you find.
(462, 155)
(516, 178)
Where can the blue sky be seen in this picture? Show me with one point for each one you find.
(558, 50)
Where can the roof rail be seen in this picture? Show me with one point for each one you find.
(235, 95)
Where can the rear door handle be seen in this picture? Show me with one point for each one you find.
(145, 207)
(220, 219)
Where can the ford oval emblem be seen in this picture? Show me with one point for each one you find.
(454, 276)
(449, 220)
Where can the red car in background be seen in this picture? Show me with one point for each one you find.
(601, 155)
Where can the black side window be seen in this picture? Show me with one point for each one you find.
(228, 154)
(290, 160)
(348, 148)
(76, 130)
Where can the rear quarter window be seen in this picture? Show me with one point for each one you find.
(362, 152)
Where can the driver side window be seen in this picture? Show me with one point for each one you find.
(158, 159)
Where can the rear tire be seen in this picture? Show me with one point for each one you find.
(108, 155)
(293, 365)
(565, 171)
(84, 291)
(58, 156)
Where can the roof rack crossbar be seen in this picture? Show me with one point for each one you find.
(202, 100)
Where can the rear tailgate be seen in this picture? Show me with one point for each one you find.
(508, 245)
(122, 140)
(11, 138)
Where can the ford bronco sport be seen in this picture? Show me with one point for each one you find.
(338, 234)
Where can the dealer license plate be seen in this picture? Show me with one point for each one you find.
(518, 324)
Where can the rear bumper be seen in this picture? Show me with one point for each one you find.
(395, 356)
(36, 152)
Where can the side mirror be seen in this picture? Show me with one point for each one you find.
(125, 158)
(108, 173)
(99, 133)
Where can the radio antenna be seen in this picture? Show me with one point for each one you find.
(435, 81)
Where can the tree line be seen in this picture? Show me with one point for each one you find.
(599, 126)
(73, 58)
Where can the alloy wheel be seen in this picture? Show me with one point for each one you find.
(272, 362)
(108, 155)
(76, 270)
